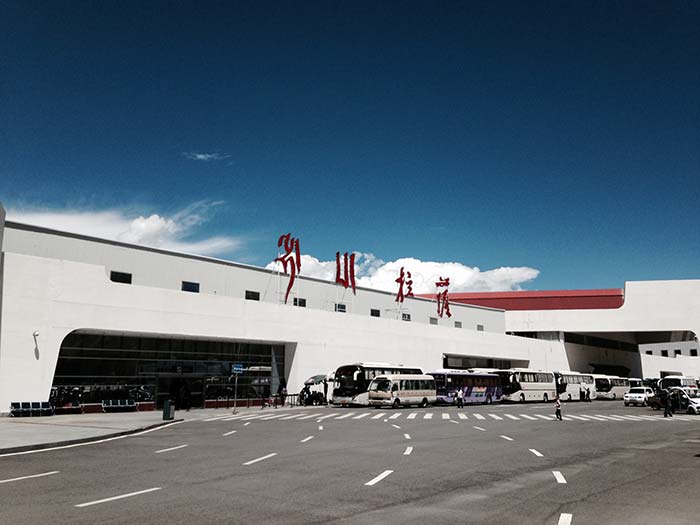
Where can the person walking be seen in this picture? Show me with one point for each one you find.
(588, 394)
(666, 400)
(557, 408)
(460, 398)
(325, 391)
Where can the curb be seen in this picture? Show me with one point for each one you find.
(41, 446)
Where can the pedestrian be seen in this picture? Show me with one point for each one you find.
(557, 408)
(666, 400)
(282, 392)
(325, 391)
(588, 394)
(460, 398)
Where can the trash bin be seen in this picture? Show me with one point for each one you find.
(168, 410)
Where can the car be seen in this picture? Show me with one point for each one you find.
(681, 399)
(638, 396)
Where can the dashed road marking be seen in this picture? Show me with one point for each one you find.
(453, 421)
(429, 415)
(507, 438)
(320, 427)
(542, 416)
(479, 416)
(462, 415)
(412, 415)
(169, 449)
(246, 424)
(310, 416)
(378, 416)
(30, 477)
(290, 417)
(346, 415)
(407, 436)
(394, 416)
(494, 416)
(130, 494)
(229, 433)
(510, 416)
(306, 439)
(558, 476)
(445, 415)
(408, 451)
(252, 461)
(565, 519)
(536, 453)
(362, 415)
(395, 426)
(479, 428)
(528, 417)
(381, 476)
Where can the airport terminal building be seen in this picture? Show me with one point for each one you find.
(101, 316)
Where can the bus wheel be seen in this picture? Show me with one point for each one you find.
(522, 398)
(545, 399)
(397, 403)
(488, 400)
(424, 403)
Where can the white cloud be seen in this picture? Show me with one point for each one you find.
(206, 157)
(371, 272)
(170, 233)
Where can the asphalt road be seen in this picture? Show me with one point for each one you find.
(507, 464)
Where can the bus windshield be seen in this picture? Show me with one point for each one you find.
(602, 384)
(350, 379)
(380, 385)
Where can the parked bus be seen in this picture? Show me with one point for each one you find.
(402, 390)
(352, 381)
(610, 387)
(477, 387)
(636, 382)
(573, 385)
(522, 384)
(686, 383)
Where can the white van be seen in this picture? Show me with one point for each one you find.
(402, 389)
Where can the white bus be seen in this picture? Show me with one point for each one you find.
(572, 386)
(523, 384)
(689, 384)
(352, 381)
(402, 390)
(610, 387)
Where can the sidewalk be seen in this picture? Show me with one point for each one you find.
(27, 433)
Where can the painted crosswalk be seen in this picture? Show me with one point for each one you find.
(438, 417)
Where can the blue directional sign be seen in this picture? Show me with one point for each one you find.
(237, 368)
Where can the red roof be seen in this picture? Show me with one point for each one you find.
(543, 300)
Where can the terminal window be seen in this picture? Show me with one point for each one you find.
(374, 312)
(252, 296)
(405, 317)
(433, 320)
(458, 324)
(300, 301)
(664, 353)
(120, 277)
(188, 286)
(340, 307)
(649, 352)
(677, 351)
(480, 328)
(694, 352)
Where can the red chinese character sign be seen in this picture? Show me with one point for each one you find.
(348, 277)
(404, 279)
(291, 260)
(443, 300)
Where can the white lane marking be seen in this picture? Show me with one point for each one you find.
(29, 477)
(229, 433)
(246, 424)
(445, 415)
(528, 417)
(169, 449)
(479, 428)
(596, 418)
(542, 416)
(290, 417)
(328, 415)
(453, 421)
(558, 476)
(606, 417)
(272, 417)
(429, 415)
(479, 416)
(306, 439)
(386, 421)
(346, 415)
(260, 459)
(680, 418)
(395, 426)
(536, 453)
(576, 417)
(462, 415)
(408, 451)
(507, 438)
(412, 415)
(495, 416)
(395, 416)
(362, 415)
(565, 519)
(378, 416)
(215, 418)
(511, 416)
(407, 436)
(310, 416)
(130, 494)
(96, 442)
(320, 427)
(379, 478)
(250, 418)
(632, 418)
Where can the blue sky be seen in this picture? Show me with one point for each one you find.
(558, 139)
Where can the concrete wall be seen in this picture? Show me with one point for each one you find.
(56, 296)
(167, 270)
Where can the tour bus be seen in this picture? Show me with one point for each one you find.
(522, 384)
(352, 381)
(477, 387)
(573, 385)
(610, 387)
(689, 384)
(636, 382)
(396, 390)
